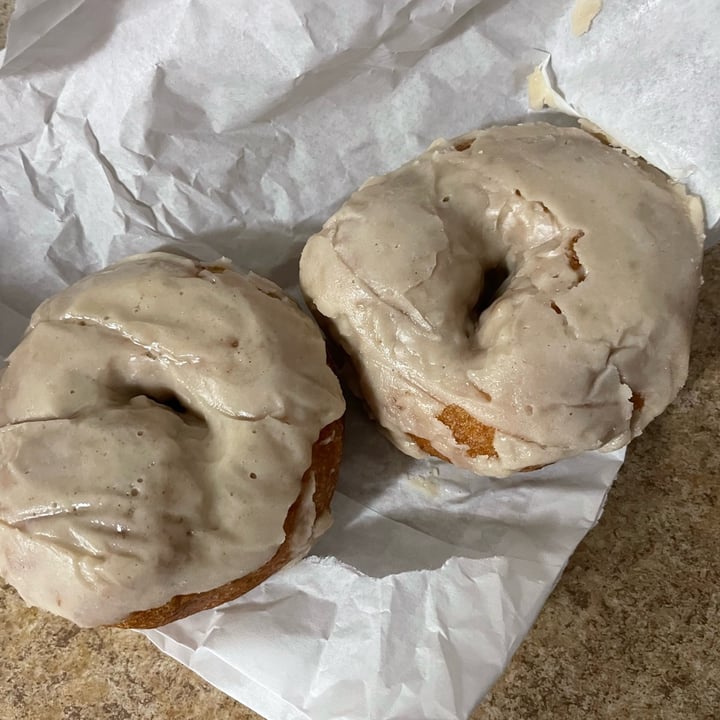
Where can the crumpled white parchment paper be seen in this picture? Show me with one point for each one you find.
(236, 129)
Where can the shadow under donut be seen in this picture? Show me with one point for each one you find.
(393, 513)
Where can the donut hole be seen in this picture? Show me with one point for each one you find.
(169, 400)
(494, 278)
(165, 397)
(174, 403)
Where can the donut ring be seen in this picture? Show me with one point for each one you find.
(513, 297)
(170, 434)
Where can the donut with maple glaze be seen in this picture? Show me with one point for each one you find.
(170, 434)
(513, 297)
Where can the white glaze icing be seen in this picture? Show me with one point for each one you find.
(604, 255)
(155, 423)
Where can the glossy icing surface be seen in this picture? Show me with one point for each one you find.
(155, 423)
(586, 340)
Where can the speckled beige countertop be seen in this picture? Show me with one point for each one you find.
(631, 632)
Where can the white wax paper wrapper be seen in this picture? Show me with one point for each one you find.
(420, 592)
(236, 129)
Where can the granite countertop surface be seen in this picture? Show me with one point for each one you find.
(631, 631)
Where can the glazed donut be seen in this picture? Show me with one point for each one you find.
(513, 297)
(170, 434)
